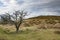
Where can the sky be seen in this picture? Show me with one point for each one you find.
(34, 7)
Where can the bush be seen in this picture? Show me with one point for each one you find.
(50, 21)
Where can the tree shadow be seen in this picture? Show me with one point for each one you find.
(19, 32)
(57, 32)
(14, 32)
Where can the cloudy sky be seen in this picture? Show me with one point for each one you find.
(34, 7)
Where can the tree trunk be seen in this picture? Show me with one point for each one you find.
(17, 29)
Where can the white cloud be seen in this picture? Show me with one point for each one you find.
(10, 6)
(34, 6)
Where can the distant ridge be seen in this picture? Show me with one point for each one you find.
(46, 17)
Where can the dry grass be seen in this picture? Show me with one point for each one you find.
(38, 28)
(31, 33)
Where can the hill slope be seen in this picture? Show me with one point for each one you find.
(32, 33)
(43, 21)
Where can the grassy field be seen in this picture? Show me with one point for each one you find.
(37, 28)
(30, 34)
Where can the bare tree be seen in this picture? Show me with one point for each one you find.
(16, 18)
(4, 19)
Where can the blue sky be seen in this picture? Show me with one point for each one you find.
(34, 7)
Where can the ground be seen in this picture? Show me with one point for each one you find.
(38, 28)
(30, 33)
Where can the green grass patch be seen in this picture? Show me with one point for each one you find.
(41, 34)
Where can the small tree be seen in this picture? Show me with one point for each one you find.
(4, 19)
(16, 18)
